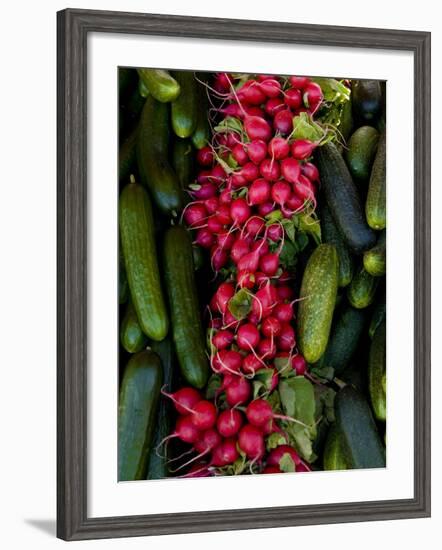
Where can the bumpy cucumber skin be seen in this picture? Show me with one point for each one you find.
(139, 252)
(333, 458)
(132, 337)
(185, 107)
(331, 235)
(200, 136)
(127, 156)
(362, 289)
(346, 124)
(375, 205)
(187, 329)
(160, 83)
(123, 287)
(137, 410)
(375, 258)
(152, 157)
(377, 317)
(361, 151)
(157, 467)
(367, 99)
(183, 161)
(317, 301)
(377, 373)
(344, 338)
(343, 199)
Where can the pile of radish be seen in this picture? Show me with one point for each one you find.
(254, 175)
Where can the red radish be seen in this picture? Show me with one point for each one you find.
(227, 361)
(222, 339)
(262, 77)
(285, 292)
(271, 87)
(223, 294)
(283, 121)
(238, 391)
(313, 96)
(230, 321)
(239, 249)
(261, 279)
(310, 171)
(204, 238)
(264, 301)
(218, 258)
(267, 348)
(232, 139)
(269, 263)
(275, 232)
(237, 181)
(272, 470)
(252, 110)
(239, 154)
(198, 470)
(184, 399)
(216, 322)
(225, 239)
(281, 191)
(239, 211)
(261, 246)
(275, 455)
(195, 214)
(251, 363)
(245, 279)
(257, 128)
(217, 174)
(271, 326)
(295, 203)
(302, 467)
(229, 422)
(299, 81)
(259, 412)
(251, 442)
(204, 415)
(213, 224)
(291, 170)
(278, 148)
(251, 93)
(223, 82)
(299, 364)
(204, 156)
(269, 169)
(223, 214)
(302, 149)
(185, 430)
(273, 106)
(304, 189)
(259, 192)
(253, 227)
(265, 208)
(224, 454)
(207, 441)
(273, 383)
(286, 338)
(256, 150)
(285, 277)
(206, 191)
(250, 171)
(233, 110)
(247, 336)
(211, 205)
(283, 312)
(203, 176)
(225, 198)
(249, 262)
(293, 98)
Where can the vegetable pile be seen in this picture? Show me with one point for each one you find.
(270, 266)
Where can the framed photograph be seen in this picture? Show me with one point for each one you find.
(243, 274)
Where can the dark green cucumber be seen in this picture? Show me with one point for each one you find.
(183, 161)
(317, 301)
(152, 157)
(375, 205)
(137, 410)
(161, 84)
(132, 337)
(198, 257)
(200, 136)
(377, 381)
(362, 289)
(361, 151)
(367, 99)
(185, 107)
(346, 332)
(187, 329)
(123, 287)
(343, 199)
(346, 122)
(375, 258)
(377, 318)
(333, 458)
(159, 454)
(142, 89)
(127, 156)
(361, 444)
(331, 235)
(140, 258)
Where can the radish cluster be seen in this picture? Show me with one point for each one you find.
(252, 168)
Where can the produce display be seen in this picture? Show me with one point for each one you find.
(252, 265)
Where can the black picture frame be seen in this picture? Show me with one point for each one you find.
(73, 27)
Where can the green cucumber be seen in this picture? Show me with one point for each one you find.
(183, 161)
(377, 380)
(346, 332)
(185, 107)
(137, 410)
(361, 151)
(362, 289)
(123, 287)
(139, 252)
(361, 444)
(331, 235)
(198, 257)
(142, 89)
(343, 199)
(333, 458)
(127, 156)
(375, 258)
(200, 136)
(159, 455)
(367, 99)
(346, 122)
(375, 205)
(377, 317)
(132, 337)
(187, 329)
(160, 83)
(152, 156)
(317, 301)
